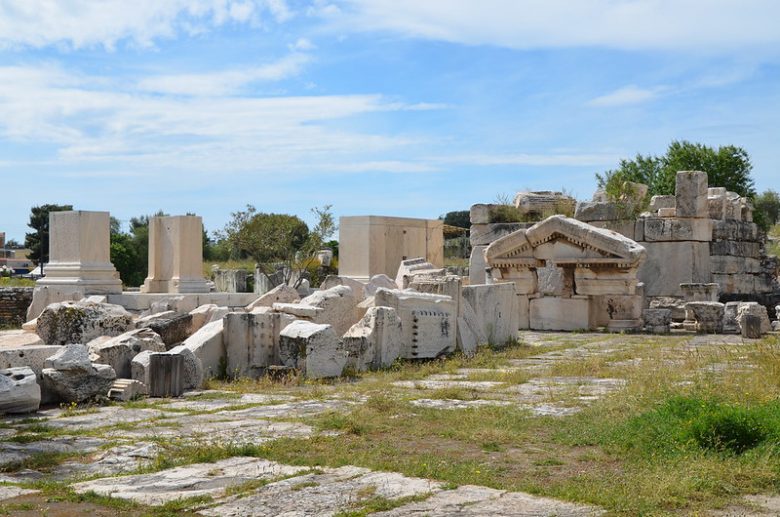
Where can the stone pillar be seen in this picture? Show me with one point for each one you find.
(175, 255)
(691, 193)
(80, 253)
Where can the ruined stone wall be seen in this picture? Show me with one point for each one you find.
(13, 305)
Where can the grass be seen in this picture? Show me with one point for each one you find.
(16, 282)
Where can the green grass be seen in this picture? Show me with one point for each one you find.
(16, 282)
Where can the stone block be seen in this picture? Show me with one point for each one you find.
(612, 281)
(208, 346)
(280, 294)
(79, 322)
(691, 194)
(19, 391)
(480, 214)
(751, 327)
(657, 321)
(173, 330)
(733, 230)
(746, 309)
(139, 367)
(552, 313)
(607, 310)
(484, 234)
(691, 262)
(175, 255)
(592, 211)
(700, 292)
(375, 341)
(725, 264)
(339, 307)
(497, 311)
(675, 305)
(667, 212)
(524, 303)
(477, 266)
(659, 202)
(659, 229)
(166, 375)
(730, 323)
(117, 352)
(192, 368)
(429, 322)
(735, 284)
(736, 248)
(378, 281)
(125, 390)
(230, 280)
(206, 314)
(550, 280)
(448, 285)
(544, 203)
(358, 288)
(69, 375)
(300, 311)
(708, 316)
(252, 342)
(625, 227)
(313, 349)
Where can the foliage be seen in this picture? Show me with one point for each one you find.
(38, 240)
(767, 209)
(13, 244)
(727, 166)
(130, 251)
(627, 198)
(274, 239)
(459, 218)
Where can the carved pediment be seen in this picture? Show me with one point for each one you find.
(564, 240)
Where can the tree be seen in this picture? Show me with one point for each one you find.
(728, 166)
(38, 240)
(130, 251)
(460, 218)
(13, 244)
(767, 209)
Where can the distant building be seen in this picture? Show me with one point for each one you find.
(16, 259)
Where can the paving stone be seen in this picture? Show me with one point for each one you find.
(457, 404)
(202, 479)
(212, 404)
(116, 460)
(106, 416)
(323, 494)
(15, 452)
(9, 492)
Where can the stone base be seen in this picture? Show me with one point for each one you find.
(176, 286)
(553, 313)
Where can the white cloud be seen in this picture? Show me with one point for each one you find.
(225, 82)
(302, 45)
(716, 25)
(552, 159)
(93, 120)
(87, 23)
(625, 96)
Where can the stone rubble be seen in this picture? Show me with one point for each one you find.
(72, 377)
(19, 391)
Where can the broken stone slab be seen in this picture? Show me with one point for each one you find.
(375, 341)
(206, 314)
(497, 311)
(377, 281)
(659, 202)
(477, 265)
(19, 355)
(330, 492)
(751, 327)
(480, 213)
(209, 347)
(71, 377)
(252, 341)
(708, 316)
(409, 266)
(338, 307)
(664, 229)
(595, 211)
(544, 203)
(300, 311)
(125, 390)
(280, 294)
(358, 288)
(429, 322)
(201, 479)
(691, 194)
(79, 322)
(312, 348)
(139, 367)
(753, 309)
(118, 351)
(172, 329)
(19, 391)
(730, 323)
(447, 285)
(700, 292)
(657, 321)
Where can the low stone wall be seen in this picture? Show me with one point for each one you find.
(13, 305)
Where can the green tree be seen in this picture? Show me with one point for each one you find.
(727, 166)
(38, 240)
(459, 218)
(767, 209)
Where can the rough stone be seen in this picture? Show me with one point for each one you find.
(544, 203)
(378, 281)
(206, 314)
(173, 330)
(733, 230)
(139, 367)
(429, 322)
(497, 311)
(118, 351)
(252, 342)
(484, 234)
(480, 214)
(751, 327)
(691, 194)
(209, 347)
(193, 375)
(753, 309)
(657, 321)
(700, 292)
(659, 202)
(166, 375)
(730, 323)
(691, 265)
(708, 316)
(664, 229)
(594, 211)
(550, 280)
(19, 391)
(358, 288)
(375, 341)
(477, 265)
(407, 267)
(313, 349)
(79, 322)
(339, 307)
(71, 376)
(280, 294)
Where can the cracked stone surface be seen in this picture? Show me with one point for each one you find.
(202, 479)
(9, 492)
(16, 452)
(113, 461)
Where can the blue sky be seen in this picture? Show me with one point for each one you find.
(388, 107)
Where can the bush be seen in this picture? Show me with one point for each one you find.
(728, 428)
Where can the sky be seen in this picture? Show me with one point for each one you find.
(384, 107)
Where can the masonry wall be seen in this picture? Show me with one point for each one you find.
(13, 305)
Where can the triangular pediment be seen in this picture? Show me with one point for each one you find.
(564, 240)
